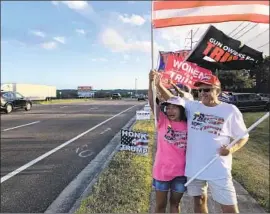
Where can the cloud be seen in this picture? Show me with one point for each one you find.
(99, 59)
(111, 39)
(55, 2)
(126, 57)
(38, 33)
(80, 31)
(133, 19)
(82, 7)
(131, 2)
(74, 5)
(49, 45)
(60, 39)
(77, 5)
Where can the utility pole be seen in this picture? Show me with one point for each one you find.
(191, 39)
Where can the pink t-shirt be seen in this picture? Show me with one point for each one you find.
(170, 158)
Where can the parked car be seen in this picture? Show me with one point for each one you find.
(141, 97)
(116, 96)
(265, 97)
(248, 101)
(11, 101)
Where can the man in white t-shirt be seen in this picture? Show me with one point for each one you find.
(212, 125)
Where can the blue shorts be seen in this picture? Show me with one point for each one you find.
(175, 185)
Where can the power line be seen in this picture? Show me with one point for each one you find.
(263, 45)
(247, 31)
(235, 28)
(241, 29)
(257, 35)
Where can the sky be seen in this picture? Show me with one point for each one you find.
(103, 44)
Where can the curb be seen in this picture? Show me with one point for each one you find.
(70, 198)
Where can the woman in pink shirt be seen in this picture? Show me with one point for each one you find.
(169, 166)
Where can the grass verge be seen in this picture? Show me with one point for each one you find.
(251, 163)
(125, 185)
(60, 101)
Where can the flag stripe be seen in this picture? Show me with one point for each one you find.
(213, 11)
(165, 5)
(178, 21)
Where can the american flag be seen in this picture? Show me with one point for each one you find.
(133, 141)
(179, 13)
(224, 97)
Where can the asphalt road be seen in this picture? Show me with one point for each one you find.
(26, 136)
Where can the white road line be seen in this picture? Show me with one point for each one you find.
(63, 106)
(94, 108)
(106, 130)
(28, 124)
(15, 172)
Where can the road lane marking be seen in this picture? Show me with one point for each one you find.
(94, 108)
(17, 171)
(106, 130)
(16, 127)
(87, 151)
(63, 106)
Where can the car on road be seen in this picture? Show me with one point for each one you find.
(14, 100)
(116, 96)
(247, 101)
(141, 97)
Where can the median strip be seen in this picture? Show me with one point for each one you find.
(125, 185)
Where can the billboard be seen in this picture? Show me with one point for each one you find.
(85, 91)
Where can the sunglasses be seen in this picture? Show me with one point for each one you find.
(204, 89)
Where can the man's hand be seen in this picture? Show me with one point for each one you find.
(158, 80)
(223, 151)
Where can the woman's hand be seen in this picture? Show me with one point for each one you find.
(152, 75)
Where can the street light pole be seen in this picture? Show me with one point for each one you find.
(135, 86)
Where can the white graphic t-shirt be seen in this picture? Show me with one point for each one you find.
(208, 129)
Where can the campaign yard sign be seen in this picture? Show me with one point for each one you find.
(136, 142)
(216, 50)
(143, 115)
(147, 108)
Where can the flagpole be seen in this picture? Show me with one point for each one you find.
(152, 65)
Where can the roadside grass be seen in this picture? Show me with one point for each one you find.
(125, 185)
(251, 163)
(60, 101)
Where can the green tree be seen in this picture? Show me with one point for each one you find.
(235, 79)
(262, 76)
